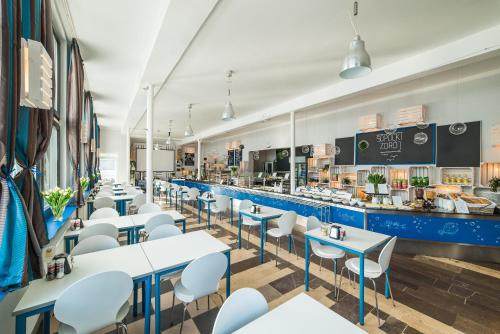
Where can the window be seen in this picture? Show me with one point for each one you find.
(50, 164)
(108, 168)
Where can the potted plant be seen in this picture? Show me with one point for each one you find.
(84, 182)
(57, 199)
(494, 184)
(376, 179)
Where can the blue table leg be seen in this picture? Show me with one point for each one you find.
(387, 293)
(21, 324)
(199, 211)
(176, 196)
(137, 235)
(231, 218)
(362, 289)
(143, 296)
(157, 303)
(184, 226)
(306, 269)
(239, 230)
(46, 322)
(134, 305)
(208, 215)
(289, 244)
(67, 245)
(147, 311)
(265, 230)
(182, 201)
(228, 274)
(262, 227)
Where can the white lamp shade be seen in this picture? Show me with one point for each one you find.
(189, 131)
(228, 114)
(357, 63)
(36, 75)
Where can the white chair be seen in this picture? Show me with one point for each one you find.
(154, 222)
(192, 196)
(94, 244)
(94, 302)
(104, 202)
(247, 221)
(171, 192)
(149, 208)
(373, 270)
(99, 229)
(323, 251)
(222, 204)
(285, 227)
(200, 278)
(136, 203)
(242, 307)
(104, 213)
(164, 231)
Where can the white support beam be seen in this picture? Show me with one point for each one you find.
(292, 153)
(127, 155)
(149, 143)
(441, 58)
(198, 154)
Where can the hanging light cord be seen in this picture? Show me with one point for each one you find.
(351, 17)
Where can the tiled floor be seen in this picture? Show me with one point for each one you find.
(433, 295)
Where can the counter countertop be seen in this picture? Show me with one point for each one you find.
(355, 208)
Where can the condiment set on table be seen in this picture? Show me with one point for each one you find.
(333, 231)
(59, 266)
(255, 209)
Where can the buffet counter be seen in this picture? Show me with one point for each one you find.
(416, 226)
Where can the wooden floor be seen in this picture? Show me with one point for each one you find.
(433, 295)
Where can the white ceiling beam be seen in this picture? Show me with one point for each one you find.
(181, 24)
(433, 60)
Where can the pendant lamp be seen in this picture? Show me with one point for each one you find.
(357, 62)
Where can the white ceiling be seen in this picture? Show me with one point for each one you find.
(278, 50)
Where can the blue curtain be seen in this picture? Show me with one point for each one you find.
(13, 225)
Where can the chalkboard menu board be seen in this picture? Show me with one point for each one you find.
(381, 148)
(459, 151)
(346, 155)
(234, 157)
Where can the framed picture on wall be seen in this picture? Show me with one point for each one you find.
(188, 159)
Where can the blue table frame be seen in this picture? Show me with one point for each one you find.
(68, 238)
(159, 274)
(361, 256)
(263, 230)
(138, 227)
(46, 310)
(120, 207)
(209, 201)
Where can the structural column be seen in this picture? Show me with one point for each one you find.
(127, 155)
(149, 143)
(198, 154)
(292, 153)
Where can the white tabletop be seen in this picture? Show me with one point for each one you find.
(356, 239)
(181, 249)
(119, 197)
(130, 259)
(265, 212)
(301, 314)
(142, 218)
(120, 222)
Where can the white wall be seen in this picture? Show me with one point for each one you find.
(114, 145)
(470, 93)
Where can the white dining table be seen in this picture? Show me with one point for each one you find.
(175, 253)
(266, 213)
(358, 242)
(40, 296)
(122, 223)
(141, 219)
(301, 314)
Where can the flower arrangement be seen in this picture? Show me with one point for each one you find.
(57, 199)
(84, 182)
(376, 179)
